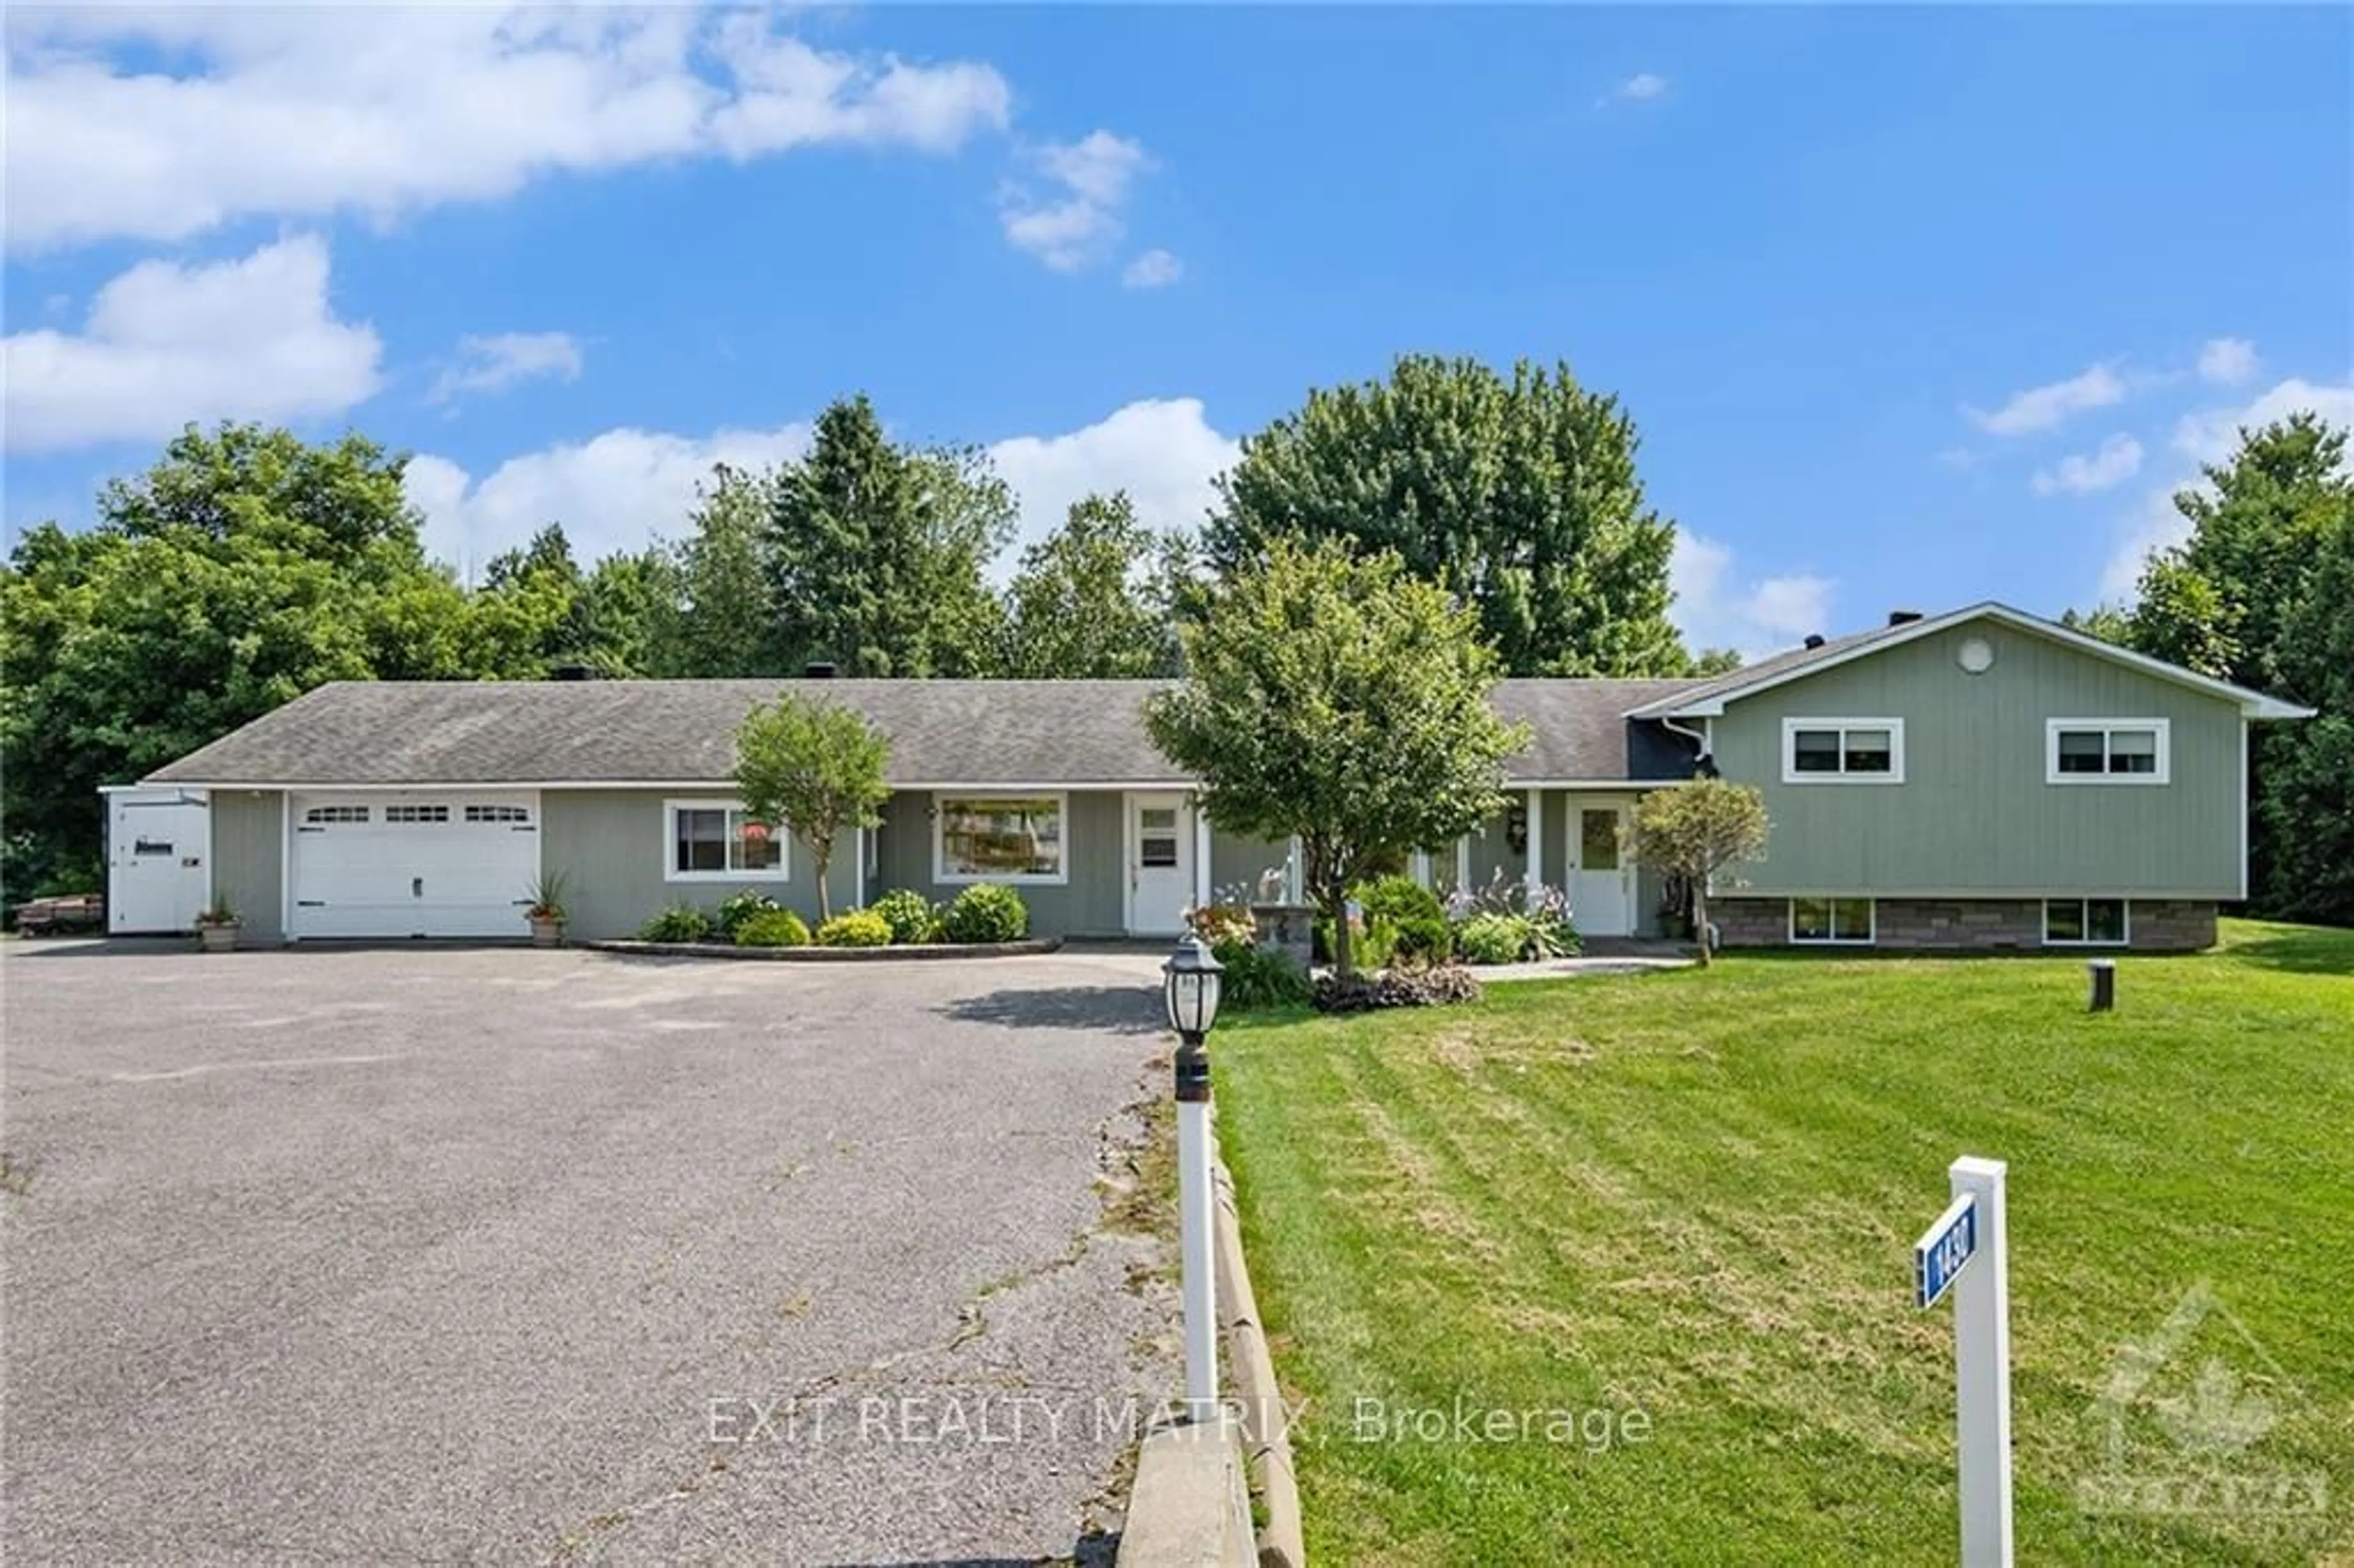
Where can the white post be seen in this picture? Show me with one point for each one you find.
(1982, 1371)
(1536, 875)
(858, 863)
(1463, 863)
(1198, 1294)
(1201, 856)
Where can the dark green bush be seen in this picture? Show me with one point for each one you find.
(909, 915)
(1411, 914)
(986, 912)
(858, 928)
(1492, 938)
(1374, 945)
(1257, 977)
(739, 907)
(772, 927)
(679, 923)
(1396, 988)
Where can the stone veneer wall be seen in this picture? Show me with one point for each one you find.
(1974, 925)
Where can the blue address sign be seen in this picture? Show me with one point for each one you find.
(1939, 1256)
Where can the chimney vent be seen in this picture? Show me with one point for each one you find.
(1902, 617)
(818, 669)
(573, 672)
(1815, 640)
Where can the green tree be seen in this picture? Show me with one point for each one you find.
(2256, 596)
(708, 614)
(1083, 606)
(1695, 831)
(243, 569)
(814, 767)
(1521, 495)
(874, 554)
(1339, 698)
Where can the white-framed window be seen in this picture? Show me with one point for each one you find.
(1000, 838)
(2107, 751)
(416, 813)
(1842, 922)
(1842, 751)
(2086, 922)
(498, 813)
(324, 814)
(714, 841)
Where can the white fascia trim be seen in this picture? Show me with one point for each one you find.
(1611, 786)
(2251, 703)
(1991, 894)
(2164, 728)
(998, 787)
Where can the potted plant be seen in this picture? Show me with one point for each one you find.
(217, 927)
(547, 911)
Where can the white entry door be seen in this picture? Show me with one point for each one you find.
(1602, 885)
(1159, 864)
(423, 863)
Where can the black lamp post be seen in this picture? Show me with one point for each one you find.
(1189, 988)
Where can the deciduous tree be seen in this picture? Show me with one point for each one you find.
(1341, 698)
(1695, 831)
(1519, 495)
(1083, 606)
(814, 767)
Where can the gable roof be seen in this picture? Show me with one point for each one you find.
(1708, 698)
(396, 733)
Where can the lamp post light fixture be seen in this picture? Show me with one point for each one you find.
(1189, 987)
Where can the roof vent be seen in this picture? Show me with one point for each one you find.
(1814, 640)
(1902, 617)
(818, 669)
(573, 672)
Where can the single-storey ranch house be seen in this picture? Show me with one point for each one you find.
(1979, 779)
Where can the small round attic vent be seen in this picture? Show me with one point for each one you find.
(1976, 655)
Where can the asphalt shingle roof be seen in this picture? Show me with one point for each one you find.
(394, 733)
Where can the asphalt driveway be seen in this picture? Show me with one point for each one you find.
(431, 1254)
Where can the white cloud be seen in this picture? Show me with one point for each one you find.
(618, 490)
(1162, 451)
(2117, 459)
(1078, 221)
(307, 110)
(2210, 436)
(1155, 269)
(621, 489)
(2228, 361)
(2044, 408)
(504, 359)
(1714, 609)
(165, 345)
(1640, 87)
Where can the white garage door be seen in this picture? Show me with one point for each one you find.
(414, 865)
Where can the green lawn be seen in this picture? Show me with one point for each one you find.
(1694, 1195)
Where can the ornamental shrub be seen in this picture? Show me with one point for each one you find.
(909, 915)
(772, 927)
(1218, 924)
(857, 928)
(1258, 976)
(1492, 938)
(1410, 913)
(987, 912)
(679, 923)
(739, 907)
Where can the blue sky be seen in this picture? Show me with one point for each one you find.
(1912, 306)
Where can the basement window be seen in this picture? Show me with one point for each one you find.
(1842, 922)
(2085, 923)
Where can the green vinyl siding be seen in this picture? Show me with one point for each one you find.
(249, 859)
(1237, 862)
(1088, 905)
(612, 847)
(1975, 815)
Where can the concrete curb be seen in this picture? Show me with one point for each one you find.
(1189, 1505)
(816, 955)
(1266, 1426)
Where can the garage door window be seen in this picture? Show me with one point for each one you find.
(321, 815)
(711, 841)
(416, 813)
